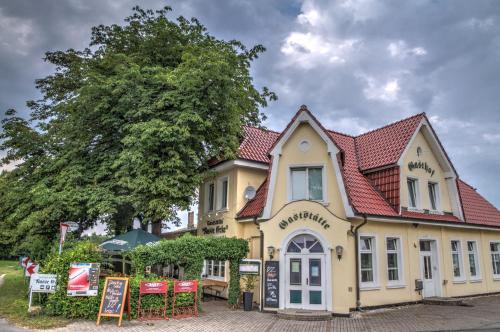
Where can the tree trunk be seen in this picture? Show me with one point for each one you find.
(156, 227)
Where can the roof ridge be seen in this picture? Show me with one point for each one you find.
(262, 129)
(391, 124)
(340, 133)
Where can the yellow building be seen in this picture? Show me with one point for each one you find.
(343, 222)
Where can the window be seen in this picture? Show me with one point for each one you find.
(394, 271)
(210, 196)
(367, 259)
(433, 196)
(473, 260)
(456, 258)
(495, 258)
(222, 192)
(412, 193)
(307, 183)
(215, 269)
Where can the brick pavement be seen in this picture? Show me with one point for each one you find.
(485, 314)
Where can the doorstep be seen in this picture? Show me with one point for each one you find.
(446, 301)
(304, 314)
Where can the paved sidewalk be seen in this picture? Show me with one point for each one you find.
(485, 315)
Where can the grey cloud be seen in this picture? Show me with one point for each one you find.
(349, 87)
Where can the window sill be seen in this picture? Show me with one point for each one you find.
(460, 281)
(369, 288)
(496, 278)
(436, 212)
(475, 280)
(415, 209)
(215, 278)
(223, 210)
(395, 286)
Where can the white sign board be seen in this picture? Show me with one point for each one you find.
(250, 266)
(73, 226)
(43, 283)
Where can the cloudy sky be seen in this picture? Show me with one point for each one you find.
(357, 64)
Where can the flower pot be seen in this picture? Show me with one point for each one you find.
(247, 301)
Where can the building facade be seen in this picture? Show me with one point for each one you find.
(352, 221)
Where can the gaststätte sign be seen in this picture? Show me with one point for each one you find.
(83, 279)
(304, 216)
(422, 165)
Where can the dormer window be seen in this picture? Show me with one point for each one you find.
(412, 193)
(307, 183)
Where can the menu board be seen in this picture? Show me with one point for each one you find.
(114, 298)
(271, 290)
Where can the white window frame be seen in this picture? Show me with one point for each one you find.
(417, 194)
(399, 251)
(461, 278)
(307, 166)
(438, 197)
(369, 285)
(495, 276)
(212, 262)
(207, 196)
(475, 252)
(219, 190)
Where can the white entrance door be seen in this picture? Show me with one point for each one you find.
(429, 268)
(305, 281)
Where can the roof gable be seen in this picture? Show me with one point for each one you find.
(477, 210)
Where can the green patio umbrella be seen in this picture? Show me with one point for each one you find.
(129, 241)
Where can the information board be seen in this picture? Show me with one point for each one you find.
(250, 266)
(271, 290)
(83, 279)
(115, 299)
(43, 283)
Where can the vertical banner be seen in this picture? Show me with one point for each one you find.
(83, 279)
(64, 229)
(271, 287)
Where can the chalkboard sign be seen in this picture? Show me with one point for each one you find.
(272, 290)
(115, 297)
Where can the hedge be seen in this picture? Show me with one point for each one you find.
(189, 252)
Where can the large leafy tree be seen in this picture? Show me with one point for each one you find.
(126, 127)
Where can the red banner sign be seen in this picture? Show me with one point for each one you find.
(186, 286)
(153, 287)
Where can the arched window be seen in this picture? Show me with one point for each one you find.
(304, 243)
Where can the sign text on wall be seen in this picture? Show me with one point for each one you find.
(420, 164)
(304, 215)
(218, 229)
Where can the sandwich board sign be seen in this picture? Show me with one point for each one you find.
(42, 283)
(115, 299)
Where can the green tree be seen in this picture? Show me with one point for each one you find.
(126, 127)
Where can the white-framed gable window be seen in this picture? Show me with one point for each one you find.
(394, 261)
(474, 267)
(434, 203)
(222, 193)
(456, 259)
(209, 196)
(495, 259)
(413, 193)
(307, 183)
(368, 261)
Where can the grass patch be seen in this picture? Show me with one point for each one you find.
(14, 300)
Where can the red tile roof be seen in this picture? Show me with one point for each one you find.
(385, 145)
(367, 194)
(256, 142)
(477, 209)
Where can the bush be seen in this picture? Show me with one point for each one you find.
(68, 306)
(87, 307)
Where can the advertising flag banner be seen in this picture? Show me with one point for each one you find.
(83, 279)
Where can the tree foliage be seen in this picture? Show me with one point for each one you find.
(125, 128)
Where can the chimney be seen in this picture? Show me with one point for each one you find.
(190, 219)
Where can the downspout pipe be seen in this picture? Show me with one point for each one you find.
(261, 249)
(356, 246)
